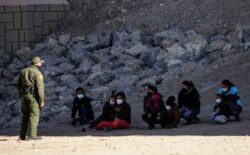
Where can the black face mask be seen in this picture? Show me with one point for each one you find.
(149, 94)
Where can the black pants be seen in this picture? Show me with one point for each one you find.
(151, 121)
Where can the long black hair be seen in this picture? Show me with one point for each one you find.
(153, 88)
(190, 84)
(227, 83)
(122, 94)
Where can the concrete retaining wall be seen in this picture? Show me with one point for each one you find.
(24, 22)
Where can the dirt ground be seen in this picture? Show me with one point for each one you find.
(205, 16)
(61, 138)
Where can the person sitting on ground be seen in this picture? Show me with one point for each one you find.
(232, 94)
(173, 113)
(122, 118)
(189, 102)
(154, 108)
(108, 112)
(221, 110)
(82, 105)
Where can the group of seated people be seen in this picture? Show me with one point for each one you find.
(116, 112)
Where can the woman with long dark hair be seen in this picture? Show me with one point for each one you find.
(189, 102)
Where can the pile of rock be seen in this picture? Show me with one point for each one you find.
(123, 60)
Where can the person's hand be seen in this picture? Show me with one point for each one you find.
(117, 109)
(149, 115)
(158, 118)
(41, 105)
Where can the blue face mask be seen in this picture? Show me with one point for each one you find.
(224, 89)
(80, 96)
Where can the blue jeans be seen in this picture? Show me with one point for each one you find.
(190, 113)
(86, 115)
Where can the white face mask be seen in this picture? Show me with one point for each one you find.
(218, 100)
(111, 102)
(168, 107)
(224, 89)
(119, 101)
(80, 96)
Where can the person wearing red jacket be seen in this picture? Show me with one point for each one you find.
(154, 108)
(122, 118)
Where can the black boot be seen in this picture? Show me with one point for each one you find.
(196, 120)
(21, 137)
(237, 118)
(151, 126)
(189, 122)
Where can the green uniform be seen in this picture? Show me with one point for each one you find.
(31, 88)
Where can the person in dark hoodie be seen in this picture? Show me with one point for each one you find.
(221, 110)
(82, 105)
(122, 118)
(154, 109)
(108, 112)
(173, 114)
(189, 102)
(231, 92)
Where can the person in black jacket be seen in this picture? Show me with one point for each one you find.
(189, 102)
(122, 118)
(82, 105)
(108, 112)
(154, 108)
(221, 110)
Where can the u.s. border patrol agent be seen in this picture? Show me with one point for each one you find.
(31, 88)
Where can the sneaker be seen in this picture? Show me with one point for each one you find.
(237, 118)
(106, 129)
(189, 122)
(196, 120)
(151, 127)
(34, 138)
(84, 130)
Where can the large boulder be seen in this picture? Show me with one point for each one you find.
(117, 50)
(15, 107)
(24, 54)
(135, 36)
(178, 52)
(126, 79)
(51, 71)
(172, 35)
(64, 39)
(216, 45)
(5, 59)
(5, 115)
(137, 50)
(149, 57)
(124, 70)
(172, 63)
(100, 93)
(67, 79)
(100, 78)
(66, 67)
(196, 48)
(77, 56)
(120, 38)
(135, 64)
(147, 81)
